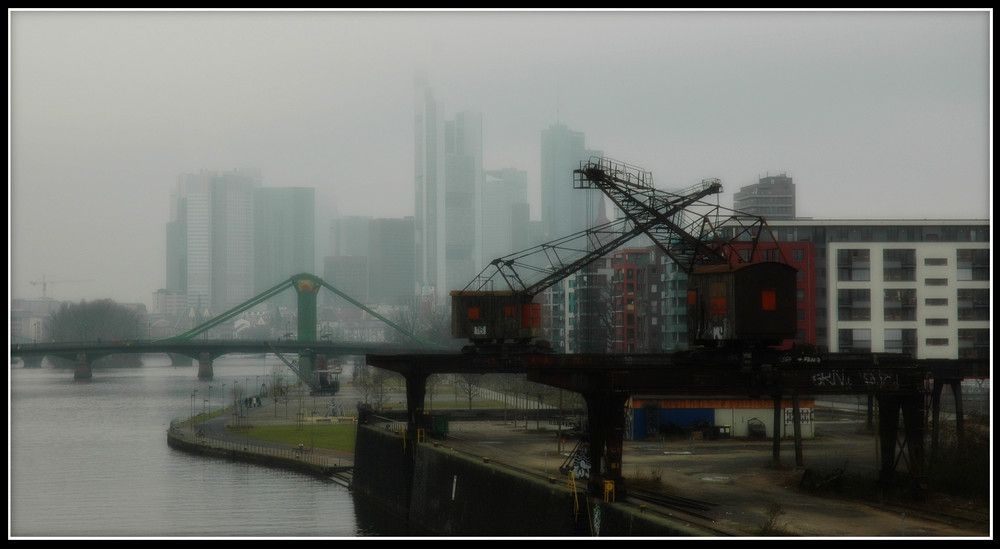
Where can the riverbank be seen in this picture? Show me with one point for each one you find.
(226, 435)
(743, 488)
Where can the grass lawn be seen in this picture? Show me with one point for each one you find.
(332, 436)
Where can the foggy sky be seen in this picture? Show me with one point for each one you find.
(874, 114)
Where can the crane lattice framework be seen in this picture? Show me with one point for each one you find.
(646, 210)
(685, 227)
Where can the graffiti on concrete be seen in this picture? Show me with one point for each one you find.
(581, 465)
(869, 379)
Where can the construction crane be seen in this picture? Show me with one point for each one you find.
(704, 245)
(45, 284)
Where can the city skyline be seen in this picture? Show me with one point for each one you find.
(288, 120)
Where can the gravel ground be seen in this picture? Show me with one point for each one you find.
(739, 477)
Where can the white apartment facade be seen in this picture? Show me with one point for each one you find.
(930, 299)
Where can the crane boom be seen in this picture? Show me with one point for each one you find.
(569, 254)
(688, 238)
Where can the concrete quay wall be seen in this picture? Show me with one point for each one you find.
(180, 438)
(440, 492)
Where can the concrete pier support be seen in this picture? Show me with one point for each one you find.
(83, 369)
(416, 390)
(606, 417)
(32, 361)
(205, 366)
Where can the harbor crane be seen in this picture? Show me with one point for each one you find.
(730, 297)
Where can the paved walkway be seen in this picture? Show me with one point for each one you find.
(298, 408)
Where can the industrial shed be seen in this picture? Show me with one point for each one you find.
(656, 416)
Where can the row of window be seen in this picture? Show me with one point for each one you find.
(901, 265)
(880, 233)
(901, 304)
(972, 343)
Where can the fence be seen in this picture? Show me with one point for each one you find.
(254, 450)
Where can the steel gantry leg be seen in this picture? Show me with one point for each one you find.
(911, 449)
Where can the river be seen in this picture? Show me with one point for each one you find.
(90, 459)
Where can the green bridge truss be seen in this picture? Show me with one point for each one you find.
(307, 287)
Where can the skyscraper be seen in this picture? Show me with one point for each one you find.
(210, 239)
(284, 238)
(505, 213)
(448, 177)
(229, 239)
(372, 259)
(565, 210)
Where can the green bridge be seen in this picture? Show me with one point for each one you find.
(310, 353)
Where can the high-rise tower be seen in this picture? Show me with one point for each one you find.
(283, 236)
(565, 210)
(448, 177)
(210, 254)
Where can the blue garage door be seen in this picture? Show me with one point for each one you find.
(685, 417)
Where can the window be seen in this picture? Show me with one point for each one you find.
(900, 304)
(936, 341)
(974, 304)
(901, 341)
(936, 301)
(855, 340)
(973, 264)
(798, 255)
(974, 343)
(899, 265)
(936, 322)
(853, 265)
(935, 282)
(854, 304)
(935, 261)
(768, 300)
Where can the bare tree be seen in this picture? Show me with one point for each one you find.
(431, 388)
(468, 385)
(372, 384)
(103, 320)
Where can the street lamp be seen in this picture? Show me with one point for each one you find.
(193, 392)
(236, 405)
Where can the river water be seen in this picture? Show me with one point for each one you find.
(90, 459)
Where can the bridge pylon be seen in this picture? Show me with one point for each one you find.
(306, 288)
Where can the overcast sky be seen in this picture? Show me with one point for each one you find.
(873, 114)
